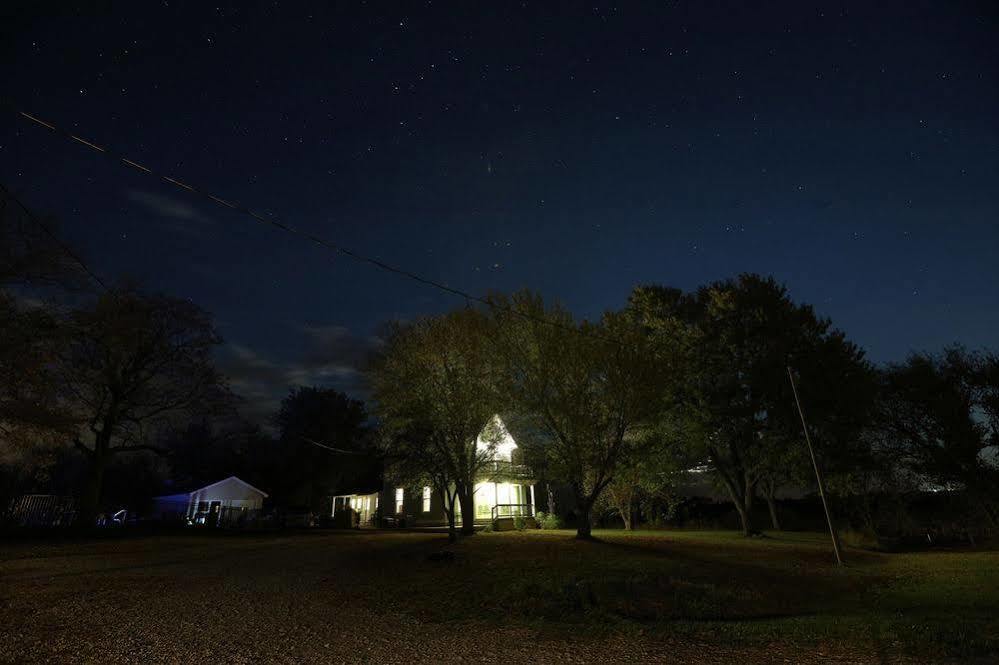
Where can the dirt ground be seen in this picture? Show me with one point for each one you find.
(313, 597)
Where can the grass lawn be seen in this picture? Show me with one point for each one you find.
(536, 596)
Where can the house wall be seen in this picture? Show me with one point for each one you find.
(513, 485)
(365, 505)
(416, 516)
(230, 492)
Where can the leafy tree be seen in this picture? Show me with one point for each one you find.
(325, 445)
(592, 388)
(134, 363)
(870, 481)
(736, 339)
(434, 394)
(415, 460)
(941, 413)
(648, 478)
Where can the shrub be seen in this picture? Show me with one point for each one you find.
(860, 538)
(488, 527)
(519, 523)
(548, 520)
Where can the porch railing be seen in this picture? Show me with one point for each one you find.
(505, 510)
(504, 468)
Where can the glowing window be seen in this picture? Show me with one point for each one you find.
(399, 495)
(426, 499)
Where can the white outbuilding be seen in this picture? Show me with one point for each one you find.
(224, 501)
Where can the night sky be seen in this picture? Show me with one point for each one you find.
(850, 150)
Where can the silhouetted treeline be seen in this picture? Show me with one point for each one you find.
(113, 396)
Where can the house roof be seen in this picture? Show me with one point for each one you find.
(522, 428)
(359, 493)
(238, 480)
(362, 489)
(215, 484)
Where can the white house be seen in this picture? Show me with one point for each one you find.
(365, 505)
(504, 488)
(231, 497)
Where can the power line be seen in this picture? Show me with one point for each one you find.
(339, 249)
(331, 448)
(62, 246)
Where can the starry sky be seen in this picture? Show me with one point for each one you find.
(849, 149)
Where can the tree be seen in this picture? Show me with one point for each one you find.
(134, 363)
(30, 406)
(204, 451)
(593, 389)
(414, 459)
(736, 339)
(941, 413)
(434, 394)
(648, 478)
(32, 259)
(325, 444)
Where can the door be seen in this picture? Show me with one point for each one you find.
(214, 512)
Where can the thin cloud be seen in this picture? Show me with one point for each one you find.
(181, 215)
(332, 356)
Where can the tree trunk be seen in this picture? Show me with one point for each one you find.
(452, 533)
(90, 500)
(991, 514)
(747, 525)
(584, 528)
(621, 501)
(769, 493)
(467, 511)
(772, 505)
(743, 502)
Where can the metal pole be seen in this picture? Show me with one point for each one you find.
(818, 474)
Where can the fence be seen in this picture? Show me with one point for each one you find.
(48, 510)
(234, 517)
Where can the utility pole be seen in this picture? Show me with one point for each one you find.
(818, 474)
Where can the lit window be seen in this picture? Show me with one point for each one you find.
(398, 500)
(426, 499)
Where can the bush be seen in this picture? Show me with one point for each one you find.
(548, 520)
(519, 523)
(488, 527)
(859, 538)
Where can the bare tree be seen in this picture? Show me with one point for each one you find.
(134, 363)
